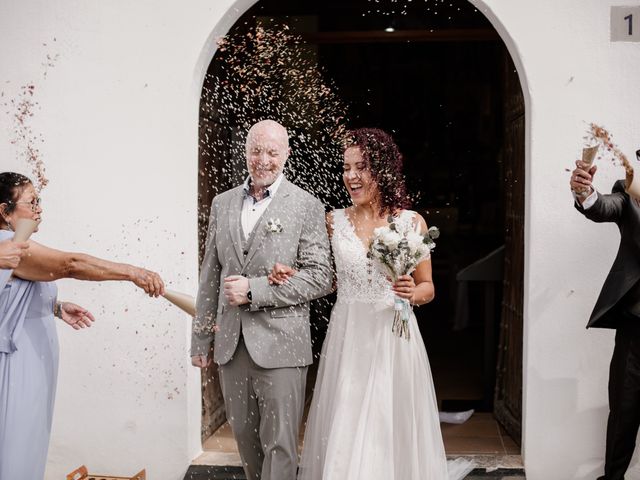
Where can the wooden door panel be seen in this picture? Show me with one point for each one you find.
(508, 394)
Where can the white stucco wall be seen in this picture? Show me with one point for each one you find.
(118, 116)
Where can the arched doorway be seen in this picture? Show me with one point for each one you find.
(443, 82)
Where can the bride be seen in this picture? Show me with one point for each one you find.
(374, 413)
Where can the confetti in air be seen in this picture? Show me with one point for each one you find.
(24, 137)
(598, 135)
(391, 8)
(269, 73)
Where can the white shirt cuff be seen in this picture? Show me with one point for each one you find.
(588, 202)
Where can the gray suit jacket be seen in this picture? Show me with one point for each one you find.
(616, 207)
(275, 325)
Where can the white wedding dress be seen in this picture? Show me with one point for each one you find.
(374, 414)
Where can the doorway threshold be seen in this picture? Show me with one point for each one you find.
(480, 439)
(484, 463)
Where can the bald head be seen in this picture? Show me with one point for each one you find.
(269, 128)
(267, 149)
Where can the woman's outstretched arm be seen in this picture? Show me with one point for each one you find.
(47, 264)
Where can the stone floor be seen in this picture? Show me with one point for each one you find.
(480, 437)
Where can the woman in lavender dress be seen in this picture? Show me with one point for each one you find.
(28, 340)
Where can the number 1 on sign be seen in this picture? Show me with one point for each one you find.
(624, 24)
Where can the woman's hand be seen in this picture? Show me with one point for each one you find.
(11, 253)
(149, 281)
(75, 315)
(405, 287)
(280, 274)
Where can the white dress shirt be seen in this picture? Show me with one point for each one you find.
(253, 209)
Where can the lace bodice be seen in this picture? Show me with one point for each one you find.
(359, 278)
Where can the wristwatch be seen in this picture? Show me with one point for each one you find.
(583, 194)
(57, 310)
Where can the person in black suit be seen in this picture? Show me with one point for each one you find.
(617, 307)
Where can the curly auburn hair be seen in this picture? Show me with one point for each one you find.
(384, 161)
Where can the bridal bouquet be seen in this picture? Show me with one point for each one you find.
(398, 249)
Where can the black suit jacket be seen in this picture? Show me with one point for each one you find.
(616, 207)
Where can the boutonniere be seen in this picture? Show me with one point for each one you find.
(274, 226)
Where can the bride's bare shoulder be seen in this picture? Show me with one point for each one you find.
(417, 220)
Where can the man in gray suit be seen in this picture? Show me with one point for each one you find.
(617, 307)
(260, 332)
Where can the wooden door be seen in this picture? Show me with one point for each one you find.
(213, 411)
(508, 393)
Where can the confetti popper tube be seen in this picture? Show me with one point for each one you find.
(24, 228)
(589, 155)
(182, 301)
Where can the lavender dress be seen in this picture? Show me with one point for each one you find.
(28, 373)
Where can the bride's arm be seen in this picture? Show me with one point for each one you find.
(418, 287)
(424, 291)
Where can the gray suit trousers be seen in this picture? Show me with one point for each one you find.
(264, 407)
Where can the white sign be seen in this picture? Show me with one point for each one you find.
(625, 24)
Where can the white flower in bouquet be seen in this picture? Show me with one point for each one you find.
(398, 249)
(388, 237)
(417, 245)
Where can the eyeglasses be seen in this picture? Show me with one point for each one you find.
(35, 203)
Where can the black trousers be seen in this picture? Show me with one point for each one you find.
(624, 399)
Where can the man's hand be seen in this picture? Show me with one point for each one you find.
(200, 361)
(581, 179)
(235, 289)
(11, 253)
